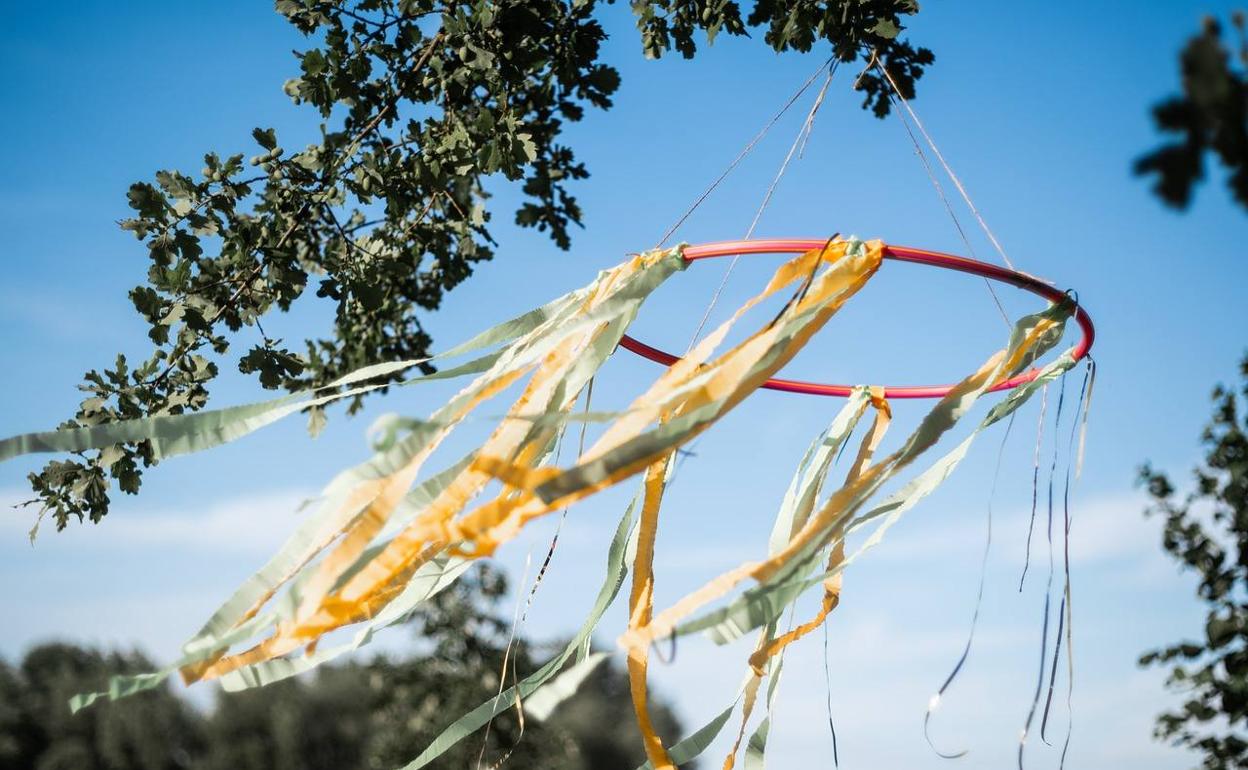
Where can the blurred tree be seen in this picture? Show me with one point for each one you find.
(600, 721)
(37, 731)
(16, 733)
(412, 700)
(1210, 117)
(365, 715)
(1207, 531)
(420, 102)
(319, 723)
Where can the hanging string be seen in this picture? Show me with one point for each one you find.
(810, 124)
(1063, 619)
(804, 130)
(934, 703)
(1085, 397)
(1061, 612)
(563, 515)
(502, 680)
(827, 678)
(827, 671)
(1083, 427)
(1044, 636)
(1067, 594)
(802, 135)
(1035, 482)
(670, 657)
(1048, 591)
(741, 155)
(940, 192)
(537, 582)
(771, 189)
(944, 164)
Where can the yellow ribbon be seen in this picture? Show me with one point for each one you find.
(510, 455)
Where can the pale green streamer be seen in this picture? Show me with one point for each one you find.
(545, 700)
(533, 335)
(763, 603)
(172, 435)
(223, 629)
(425, 584)
(688, 749)
(668, 435)
(331, 518)
(618, 558)
(795, 508)
(427, 581)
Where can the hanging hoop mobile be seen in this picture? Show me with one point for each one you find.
(386, 535)
(382, 540)
(899, 254)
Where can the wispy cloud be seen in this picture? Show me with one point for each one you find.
(248, 523)
(888, 653)
(1107, 528)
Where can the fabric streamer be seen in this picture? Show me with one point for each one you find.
(386, 535)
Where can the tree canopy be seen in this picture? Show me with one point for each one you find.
(419, 103)
(365, 714)
(1206, 530)
(1210, 118)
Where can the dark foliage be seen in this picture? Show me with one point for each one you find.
(375, 714)
(1206, 530)
(420, 103)
(37, 731)
(1210, 117)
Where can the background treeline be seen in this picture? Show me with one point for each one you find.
(378, 713)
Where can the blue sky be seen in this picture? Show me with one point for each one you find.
(1040, 107)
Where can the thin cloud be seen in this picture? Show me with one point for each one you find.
(248, 523)
(1104, 529)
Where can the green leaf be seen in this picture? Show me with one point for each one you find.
(265, 137)
(110, 455)
(147, 200)
(886, 28)
(528, 146)
(316, 421)
(273, 365)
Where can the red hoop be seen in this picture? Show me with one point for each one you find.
(900, 254)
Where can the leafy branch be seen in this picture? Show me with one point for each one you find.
(1206, 531)
(420, 103)
(1209, 118)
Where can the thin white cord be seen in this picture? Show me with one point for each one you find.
(957, 224)
(804, 131)
(740, 156)
(948, 170)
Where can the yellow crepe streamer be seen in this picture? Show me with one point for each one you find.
(819, 529)
(376, 547)
(832, 585)
(641, 606)
(695, 389)
(769, 646)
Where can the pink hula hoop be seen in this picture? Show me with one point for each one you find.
(899, 254)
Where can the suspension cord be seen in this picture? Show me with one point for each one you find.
(741, 156)
(940, 190)
(802, 132)
(944, 164)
